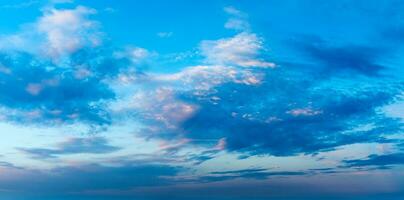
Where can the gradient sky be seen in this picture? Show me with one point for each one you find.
(213, 99)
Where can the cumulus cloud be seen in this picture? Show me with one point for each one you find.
(66, 31)
(57, 34)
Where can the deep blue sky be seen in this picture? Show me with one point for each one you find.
(225, 99)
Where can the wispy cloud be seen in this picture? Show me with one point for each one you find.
(237, 19)
(94, 145)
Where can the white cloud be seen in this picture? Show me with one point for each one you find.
(58, 33)
(234, 12)
(304, 112)
(135, 54)
(139, 53)
(237, 21)
(236, 24)
(241, 50)
(160, 105)
(110, 10)
(205, 77)
(67, 31)
(165, 34)
(25, 4)
(34, 88)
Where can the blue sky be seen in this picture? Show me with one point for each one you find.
(201, 100)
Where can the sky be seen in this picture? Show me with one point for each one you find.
(214, 99)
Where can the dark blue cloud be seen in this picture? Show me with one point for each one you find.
(203, 156)
(95, 145)
(39, 90)
(350, 58)
(259, 174)
(323, 171)
(82, 178)
(289, 114)
(199, 159)
(8, 165)
(243, 171)
(377, 160)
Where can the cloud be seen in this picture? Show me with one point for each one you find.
(289, 115)
(66, 82)
(8, 165)
(259, 174)
(377, 160)
(361, 59)
(165, 34)
(257, 109)
(66, 31)
(241, 50)
(94, 145)
(204, 77)
(55, 93)
(78, 179)
(136, 54)
(157, 105)
(57, 34)
(21, 5)
(237, 21)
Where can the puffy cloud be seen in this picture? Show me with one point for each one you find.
(66, 31)
(57, 34)
(241, 50)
